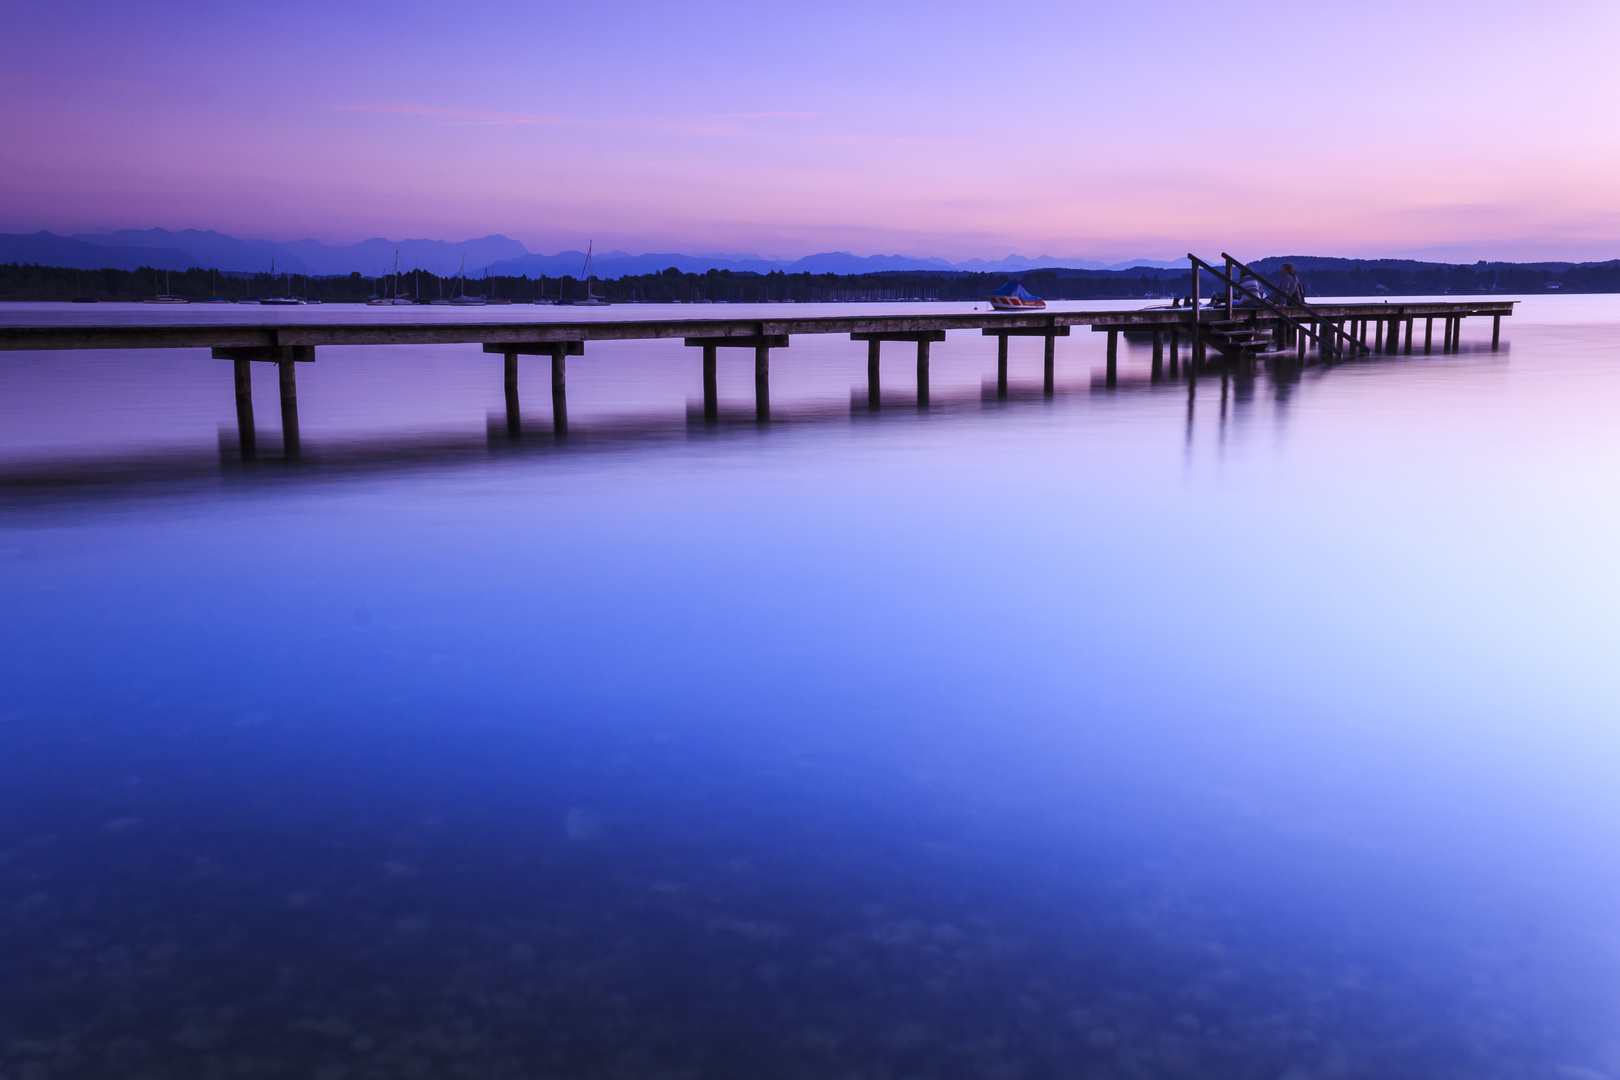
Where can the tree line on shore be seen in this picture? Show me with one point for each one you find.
(1322, 277)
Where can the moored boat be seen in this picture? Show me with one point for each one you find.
(1013, 297)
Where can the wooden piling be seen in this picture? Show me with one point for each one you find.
(514, 421)
(711, 385)
(1049, 365)
(762, 382)
(559, 388)
(1409, 336)
(1496, 331)
(1378, 337)
(246, 436)
(1175, 353)
(1428, 333)
(1001, 365)
(289, 409)
(874, 350)
(1158, 354)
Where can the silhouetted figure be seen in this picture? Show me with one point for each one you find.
(1291, 292)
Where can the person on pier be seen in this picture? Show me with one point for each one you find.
(1290, 292)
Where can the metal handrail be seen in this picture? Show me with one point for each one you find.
(1197, 262)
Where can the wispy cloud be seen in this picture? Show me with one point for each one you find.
(876, 140)
(723, 124)
(452, 114)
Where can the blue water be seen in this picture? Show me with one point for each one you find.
(1267, 730)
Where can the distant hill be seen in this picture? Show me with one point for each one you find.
(128, 249)
(47, 249)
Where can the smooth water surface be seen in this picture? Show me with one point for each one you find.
(1261, 728)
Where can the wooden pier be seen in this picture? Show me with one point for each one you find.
(1238, 336)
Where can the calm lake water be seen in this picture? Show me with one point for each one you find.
(1268, 731)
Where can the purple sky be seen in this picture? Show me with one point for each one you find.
(1455, 130)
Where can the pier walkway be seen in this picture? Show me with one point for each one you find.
(1285, 335)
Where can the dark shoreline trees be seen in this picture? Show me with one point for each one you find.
(1322, 277)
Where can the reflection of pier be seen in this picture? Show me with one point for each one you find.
(1333, 331)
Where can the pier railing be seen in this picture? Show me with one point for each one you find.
(1302, 327)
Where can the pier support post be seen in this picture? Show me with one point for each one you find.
(284, 357)
(1049, 366)
(1001, 365)
(762, 346)
(923, 339)
(1113, 357)
(874, 350)
(1428, 334)
(1158, 355)
(1409, 323)
(1378, 337)
(514, 422)
(1496, 331)
(1445, 341)
(289, 409)
(762, 382)
(711, 386)
(246, 436)
(1299, 345)
(1175, 350)
(559, 388)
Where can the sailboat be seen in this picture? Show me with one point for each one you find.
(461, 299)
(280, 301)
(165, 297)
(591, 300)
(213, 277)
(492, 298)
(394, 297)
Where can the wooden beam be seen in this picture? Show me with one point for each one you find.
(535, 348)
(756, 342)
(1026, 331)
(267, 354)
(899, 335)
